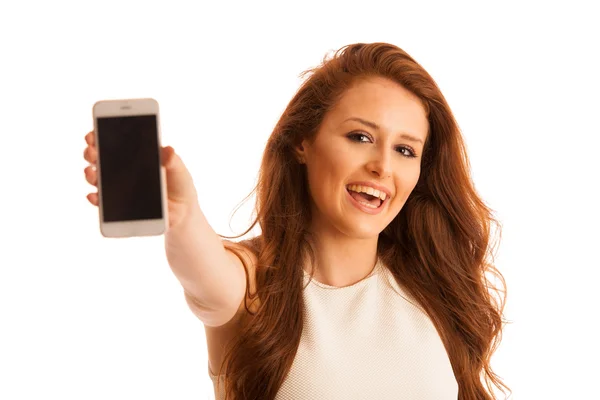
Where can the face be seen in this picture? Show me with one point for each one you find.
(371, 140)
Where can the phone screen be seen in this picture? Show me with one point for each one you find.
(129, 168)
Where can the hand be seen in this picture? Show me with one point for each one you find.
(181, 193)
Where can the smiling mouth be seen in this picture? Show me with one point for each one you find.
(366, 199)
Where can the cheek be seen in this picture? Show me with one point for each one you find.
(326, 177)
(407, 183)
(321, 178)
(327, 169)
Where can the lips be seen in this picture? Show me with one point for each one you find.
(365, 209)
(373, 185)
(365, 197)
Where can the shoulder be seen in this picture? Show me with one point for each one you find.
(245, 255)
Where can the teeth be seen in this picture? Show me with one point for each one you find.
(368, 190)
(367, 204)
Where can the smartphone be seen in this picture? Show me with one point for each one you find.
(131, 180)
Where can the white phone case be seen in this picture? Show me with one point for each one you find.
(138, 227)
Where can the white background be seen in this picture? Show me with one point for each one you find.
(82, 317)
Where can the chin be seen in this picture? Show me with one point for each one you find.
(362, 231)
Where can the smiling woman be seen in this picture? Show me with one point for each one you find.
(369, 277)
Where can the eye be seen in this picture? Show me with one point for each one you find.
(359, 137)
(409, 152)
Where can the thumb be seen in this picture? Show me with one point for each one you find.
(180, 186)
(168, 157)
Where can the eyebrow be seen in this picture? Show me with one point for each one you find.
(373, 125)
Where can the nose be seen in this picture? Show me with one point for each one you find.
(380, 165)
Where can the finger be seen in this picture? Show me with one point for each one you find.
(180, 185)
(91, 175)
(93, 198)
(168, 156)
(90, 154)
(90, 139)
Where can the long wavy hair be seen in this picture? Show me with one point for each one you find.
(439, 247)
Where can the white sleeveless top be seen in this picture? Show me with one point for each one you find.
(366, 341)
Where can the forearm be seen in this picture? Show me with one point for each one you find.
(200, 262)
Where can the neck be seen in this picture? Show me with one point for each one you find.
(342, 260)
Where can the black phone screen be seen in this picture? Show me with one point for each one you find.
(129, 168)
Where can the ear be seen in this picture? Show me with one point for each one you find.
(300, 152)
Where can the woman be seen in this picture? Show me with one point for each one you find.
(368, 280)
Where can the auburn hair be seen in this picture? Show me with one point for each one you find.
(439, 247)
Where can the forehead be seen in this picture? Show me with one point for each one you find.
(384, 102)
